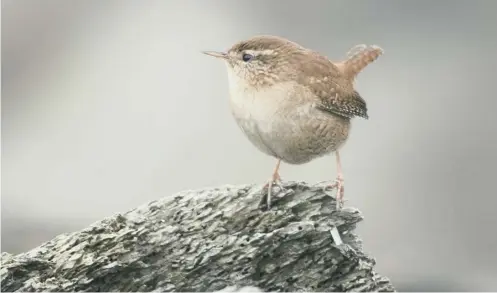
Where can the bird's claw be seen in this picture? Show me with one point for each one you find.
(269, 185)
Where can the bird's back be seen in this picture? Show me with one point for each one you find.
(305, 112)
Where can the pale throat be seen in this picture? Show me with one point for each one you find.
(256, 106)
(248, 102)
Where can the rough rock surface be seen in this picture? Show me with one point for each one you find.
(207, 240)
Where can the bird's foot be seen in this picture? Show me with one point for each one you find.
(266, 198)
(338, 184)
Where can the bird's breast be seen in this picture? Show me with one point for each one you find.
(286, 124)
(253, 105)
(259, 105)
(259, 113)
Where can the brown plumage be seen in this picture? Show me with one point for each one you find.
(293, 103)
(333, 88)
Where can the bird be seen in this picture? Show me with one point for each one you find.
(293, 103)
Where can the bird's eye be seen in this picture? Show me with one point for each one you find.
(247, 57)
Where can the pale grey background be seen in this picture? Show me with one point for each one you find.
(109, 104)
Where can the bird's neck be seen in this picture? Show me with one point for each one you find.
(237, 84)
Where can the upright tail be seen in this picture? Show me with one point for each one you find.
(358, 58)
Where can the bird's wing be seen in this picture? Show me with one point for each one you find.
(345, 104)
(334, 91)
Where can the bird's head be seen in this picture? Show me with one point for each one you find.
(261, 60)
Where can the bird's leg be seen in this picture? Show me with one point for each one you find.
(338, 184)
(275, 179)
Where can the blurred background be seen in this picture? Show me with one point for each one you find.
(109, 104)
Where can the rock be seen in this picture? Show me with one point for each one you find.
(208, 240)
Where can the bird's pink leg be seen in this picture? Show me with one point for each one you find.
(276, 172)
(274, 179)
(338, 184)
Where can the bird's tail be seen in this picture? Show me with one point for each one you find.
(358, 58)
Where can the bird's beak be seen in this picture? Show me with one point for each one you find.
(216, 54)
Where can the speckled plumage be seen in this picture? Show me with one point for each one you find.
(292, 102)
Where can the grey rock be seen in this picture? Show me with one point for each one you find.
(207, 240)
